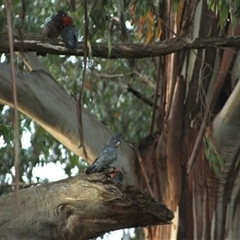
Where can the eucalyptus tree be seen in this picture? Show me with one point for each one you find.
(165, 74)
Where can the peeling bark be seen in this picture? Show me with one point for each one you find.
(173, 151)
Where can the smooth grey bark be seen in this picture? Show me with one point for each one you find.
(227, 126)
(226, 134)
(78, 208)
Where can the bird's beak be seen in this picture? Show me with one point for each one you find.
(118, 143)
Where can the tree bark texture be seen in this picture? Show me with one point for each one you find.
(205, 204)
(78, 208)
(127, 50)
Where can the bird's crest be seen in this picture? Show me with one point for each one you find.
(115, 139)
(67, 21)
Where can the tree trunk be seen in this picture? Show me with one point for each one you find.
(205, 201)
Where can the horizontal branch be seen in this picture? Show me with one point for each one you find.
(82, 207)
(130, 50)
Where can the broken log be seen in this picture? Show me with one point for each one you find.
(77, 208)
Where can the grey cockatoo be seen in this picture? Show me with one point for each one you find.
(53, 27)
(107, 156)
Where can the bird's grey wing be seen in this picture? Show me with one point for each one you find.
(98, 164)
(75, 35)
(92, 168)
(107, 156)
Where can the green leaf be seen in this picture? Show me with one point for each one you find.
(216, 169)
(212, 155)
(220, 161)
(175, 5)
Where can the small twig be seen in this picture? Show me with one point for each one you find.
(139, 95)
(80, 124)
(103, 75)
(155, 102)
(79, 103)
(14, 88)
(143, 169)
(145, 79)
(198, 142)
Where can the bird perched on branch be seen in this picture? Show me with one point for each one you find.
(107, 156)
(53, 27)
(69, 32)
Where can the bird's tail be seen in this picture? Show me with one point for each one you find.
(91, 169)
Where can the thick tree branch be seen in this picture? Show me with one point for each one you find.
(129, 50)
(44, 100)
(78, 208)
